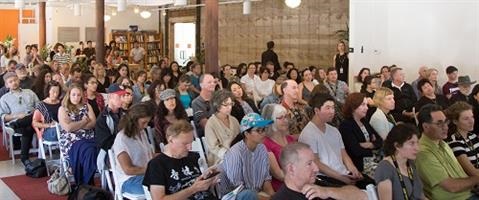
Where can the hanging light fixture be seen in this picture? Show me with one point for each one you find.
(292, 3)
(136, 10)
(19, 4)
(106, 18)
(145, 14)
(76, 9)
(121, 5)
(246, 7)
(180, 2)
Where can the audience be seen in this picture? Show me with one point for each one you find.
(264, 86)
(184, 94)
(249, 80)
(431, 75)
(306, 86)
(247, 161)
(201, 104)
(277, 136)
(360, 78)
(91, 96)
(299, 168)
(41, 81)
(464, 83)
(428, 96)
(440, 172)
(275, 95)
(297, 112)
(382, 121)
(474, 102)
(325, 140)
(360, 140)
(338, 89)
(221, 128)
(396, 176)
(422, 75)
(175, 173)
(45, 115)
(132, 149)
(404, 97)
(169, 111)
(140, 86)
(243, 105)
(16, 108)
(463, 142)
(450, 87)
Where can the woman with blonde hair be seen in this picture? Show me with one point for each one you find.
(431, 75)
(382, 120)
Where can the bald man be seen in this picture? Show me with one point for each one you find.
(297, 163)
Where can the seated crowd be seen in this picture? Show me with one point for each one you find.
(277, 134)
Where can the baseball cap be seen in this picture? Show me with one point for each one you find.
(253, 120)
(19, 66)
(115, 89)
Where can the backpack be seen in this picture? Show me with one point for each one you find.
(36, 169)
(88, 192)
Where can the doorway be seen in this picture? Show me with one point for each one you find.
(184, 42)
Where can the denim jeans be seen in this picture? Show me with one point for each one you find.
(50, 134)
(247, 195)
(133, 185)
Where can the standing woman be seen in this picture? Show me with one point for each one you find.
(221, 128)
(76, 118)
(306, 87)
(140, 86)
(463, 142)
(382, 120)
(341, 62)
(396, 176)
(132, 149)
(92, 97)
(169, 111)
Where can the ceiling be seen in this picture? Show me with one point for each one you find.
(155, 3)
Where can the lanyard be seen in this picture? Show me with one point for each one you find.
(410, 176)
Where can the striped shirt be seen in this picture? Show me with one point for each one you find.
(240, 165)
(468, 146)
(62, 59)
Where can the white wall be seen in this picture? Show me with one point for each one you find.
(411, 33)
(63, 17)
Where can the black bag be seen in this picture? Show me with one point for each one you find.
(36, 169)
(88, 192)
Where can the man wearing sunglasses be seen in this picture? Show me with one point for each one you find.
(16, 108)
(440, 172)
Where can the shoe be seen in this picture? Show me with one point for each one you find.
(26, 162)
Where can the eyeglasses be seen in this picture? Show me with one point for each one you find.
(285, 116)
(258, 130)
(441, 123)
(228, 104)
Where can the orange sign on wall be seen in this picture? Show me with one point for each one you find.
(9, 24)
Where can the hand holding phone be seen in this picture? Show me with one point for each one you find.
(211, 174)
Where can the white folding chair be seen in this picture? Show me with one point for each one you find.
(371, 192)
(41, 149)
(196, 147)
(104, 170)
(147, 193)
(118, 193)
(9, 134)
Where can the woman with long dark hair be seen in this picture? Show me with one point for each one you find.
(243, 105)
(170, 110)
(41, 82)
(46, 112)
(92, 97)
(132, 149)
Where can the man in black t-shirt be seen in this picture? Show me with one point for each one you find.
(297, 163)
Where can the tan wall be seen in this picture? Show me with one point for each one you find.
(304, 36)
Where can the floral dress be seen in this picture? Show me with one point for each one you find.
(68, 138)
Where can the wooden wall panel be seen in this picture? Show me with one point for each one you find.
(304, 36)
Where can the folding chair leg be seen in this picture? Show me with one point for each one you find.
(50, 151)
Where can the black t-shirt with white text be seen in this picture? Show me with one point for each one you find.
(175, 174)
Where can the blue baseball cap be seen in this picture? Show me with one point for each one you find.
(253, 120)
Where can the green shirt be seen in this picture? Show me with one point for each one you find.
(435, 163)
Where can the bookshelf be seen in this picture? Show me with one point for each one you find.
(151, 41)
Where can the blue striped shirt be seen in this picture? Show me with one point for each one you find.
(240, 165)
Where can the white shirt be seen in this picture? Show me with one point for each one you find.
(327, 145)
(249, 84)
(380, 123)
(264, 88)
